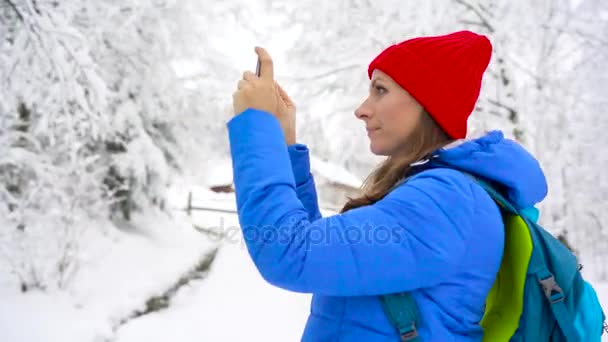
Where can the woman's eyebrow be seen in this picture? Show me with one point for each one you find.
(373, 84)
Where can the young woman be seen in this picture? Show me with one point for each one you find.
(421, 225)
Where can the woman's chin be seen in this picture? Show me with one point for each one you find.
(378, 149)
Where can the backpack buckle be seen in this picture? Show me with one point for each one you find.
(553, 292)
(409, 334)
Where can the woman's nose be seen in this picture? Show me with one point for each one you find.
(362, 111)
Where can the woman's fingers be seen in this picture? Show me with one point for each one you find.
(282, 92)
(249, 76)
(283, 95)
(267, 71)
(242, 84)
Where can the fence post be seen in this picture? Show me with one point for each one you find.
(189, 207)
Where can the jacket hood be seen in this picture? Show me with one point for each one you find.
(499, 160)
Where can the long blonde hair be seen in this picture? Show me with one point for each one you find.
(427, 138)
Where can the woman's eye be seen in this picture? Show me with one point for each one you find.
(380, 90)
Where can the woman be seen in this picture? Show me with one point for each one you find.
(421, 225)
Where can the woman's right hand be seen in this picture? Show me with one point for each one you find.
(286, 114)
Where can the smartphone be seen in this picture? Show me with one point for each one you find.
(258, 68)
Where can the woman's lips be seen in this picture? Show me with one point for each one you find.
(370, 131)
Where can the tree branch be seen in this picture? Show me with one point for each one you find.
(474, 23)
(511, 110)
(12, 5)
(326, 74)
(480, 15)
(483, 8)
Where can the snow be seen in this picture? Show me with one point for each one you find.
(220, 172)
(333, 173)
(202, 197)
(121, 270)
(233, 303)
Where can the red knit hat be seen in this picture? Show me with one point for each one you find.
(443, 73)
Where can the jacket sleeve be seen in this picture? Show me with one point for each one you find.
(304, 180)
(414, 237)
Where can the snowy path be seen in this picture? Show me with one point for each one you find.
(233, 303)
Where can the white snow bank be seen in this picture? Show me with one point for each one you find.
(120, 271)
(333, 173)
(233, 303)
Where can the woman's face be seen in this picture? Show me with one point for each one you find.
(390, 115)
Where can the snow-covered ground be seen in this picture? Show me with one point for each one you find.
(232, 303)
(121, 271)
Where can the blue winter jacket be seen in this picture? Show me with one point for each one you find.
(439, 235)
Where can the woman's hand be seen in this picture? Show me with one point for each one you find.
(263, 93)
(257, 92)
(287, 115)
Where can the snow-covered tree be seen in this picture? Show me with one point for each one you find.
(543, 87)
(91, 122)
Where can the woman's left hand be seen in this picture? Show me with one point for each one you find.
(257, 92)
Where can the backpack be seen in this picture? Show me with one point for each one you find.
(539, 294)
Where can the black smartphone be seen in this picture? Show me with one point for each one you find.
(258, 68)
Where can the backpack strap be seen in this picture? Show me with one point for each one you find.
(555, 296)
(553, 292)
(401, 310)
